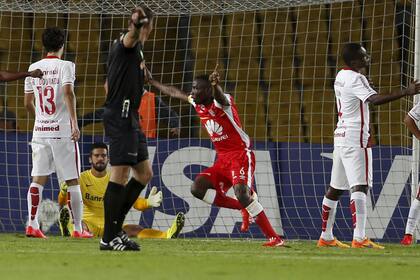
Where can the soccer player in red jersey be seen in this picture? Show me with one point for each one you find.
(235, 162)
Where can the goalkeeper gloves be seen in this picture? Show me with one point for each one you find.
(155, 198)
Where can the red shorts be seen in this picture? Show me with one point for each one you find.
(231, 169)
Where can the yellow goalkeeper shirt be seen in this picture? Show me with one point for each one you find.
(93, 191)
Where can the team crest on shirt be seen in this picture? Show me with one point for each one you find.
(214, 128)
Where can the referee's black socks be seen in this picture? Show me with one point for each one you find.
(113, 204)
(131, 193)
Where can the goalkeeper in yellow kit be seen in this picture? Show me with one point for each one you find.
(93, 183)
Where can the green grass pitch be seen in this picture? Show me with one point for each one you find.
(66, 258)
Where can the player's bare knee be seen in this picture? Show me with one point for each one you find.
(333, 194)
(144, 177)
(197, 191)
(119, 174)
(72, 182)
(200, 186)
(143, 172)
(243, 194)
(360, 188)
(40, 180)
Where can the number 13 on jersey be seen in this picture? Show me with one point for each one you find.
(46, 97)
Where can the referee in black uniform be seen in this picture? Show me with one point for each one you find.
(128, 148)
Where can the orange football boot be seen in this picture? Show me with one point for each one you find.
(331, 243)
(366, 243)
(36, 233)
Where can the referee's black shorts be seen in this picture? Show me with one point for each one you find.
(127, 143)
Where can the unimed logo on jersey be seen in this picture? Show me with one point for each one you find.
(214, 128)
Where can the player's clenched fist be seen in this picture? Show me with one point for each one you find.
(138, 17)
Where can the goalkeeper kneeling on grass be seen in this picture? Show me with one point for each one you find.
(93, 183)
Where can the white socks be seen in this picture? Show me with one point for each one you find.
(329, 208)
(359, 214)
(254, 208)
(34, 197)
(209, 196)
(76, 206)
(413, 216)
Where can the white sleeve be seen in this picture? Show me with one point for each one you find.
(362, 89)
(415, 112)
(28, 85)
(68, 74)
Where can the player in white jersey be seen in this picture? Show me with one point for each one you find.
(411, 120)
(54, 141)
(352, 157)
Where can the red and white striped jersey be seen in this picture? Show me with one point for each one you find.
(352, 89)
(52, 118)
(223, 125)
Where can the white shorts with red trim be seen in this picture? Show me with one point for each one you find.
(352, 166)
(58, 155)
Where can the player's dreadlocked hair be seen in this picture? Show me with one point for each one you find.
(53, 39)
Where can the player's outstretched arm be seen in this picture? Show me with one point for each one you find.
(167, 90)
(138, 19)
(378, 99)
(217, 90)
(70, 101)
(412, 126)
(6, 76)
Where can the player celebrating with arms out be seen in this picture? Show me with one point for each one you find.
(55, 135)
(235, 162)
(352, 156)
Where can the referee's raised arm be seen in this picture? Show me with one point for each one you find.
(138, 19)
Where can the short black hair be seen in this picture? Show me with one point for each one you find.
(98, 145)
(351, 52)
(53, 39)
(204, 78)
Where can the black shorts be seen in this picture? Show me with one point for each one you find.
(127, 143)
